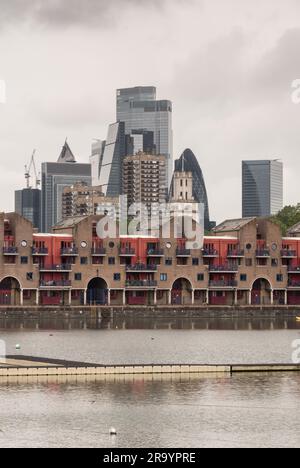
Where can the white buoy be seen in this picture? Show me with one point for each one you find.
(112, 431)
(18, 346)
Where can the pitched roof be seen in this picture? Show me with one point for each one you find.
(294, 230)
(232, 224)
(66, 155)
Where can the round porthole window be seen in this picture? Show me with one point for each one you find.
(84, 244)
(24, 243)
(274, 247)
(111, 245)
(248, 246)
(168, 245)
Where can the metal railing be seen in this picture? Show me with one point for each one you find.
(288, 253)
(98, 251)
(69, 251)
(55, 284)
(10, 250)
(39, 251)
(141, 284)
(126, 251)
(210, 253)
(181, 252)
(263, 253)
(141, 267)
(225, 284)
(64, 267)
(155, 252)
(236, 253)
(223, 268)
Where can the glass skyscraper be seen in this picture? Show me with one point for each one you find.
(55, 178)
(28, 204)
(189, 163)
(262, 187)
(107, 161)
(141, 113)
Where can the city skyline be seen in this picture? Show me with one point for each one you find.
(224, 114)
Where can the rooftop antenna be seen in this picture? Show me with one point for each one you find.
(28, 170)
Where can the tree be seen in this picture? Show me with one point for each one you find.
(287, 217)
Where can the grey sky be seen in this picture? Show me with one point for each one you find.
(227, 65)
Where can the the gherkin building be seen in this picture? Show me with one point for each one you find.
(189, 163)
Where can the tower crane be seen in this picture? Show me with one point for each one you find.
(28, 170)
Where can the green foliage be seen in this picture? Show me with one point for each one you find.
(287, 217)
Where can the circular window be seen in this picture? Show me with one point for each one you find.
(274, 247)
(111, 245)
(84, 244)
(168, 245)
(248, 246)
(24, 243)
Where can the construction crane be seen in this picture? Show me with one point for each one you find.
(28, 170)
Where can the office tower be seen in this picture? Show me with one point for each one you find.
(107, 161)
(144, 180)
(96, 161)
(188, 163)
(262, 187)
(28, 205)
(55, 177)
(141, 112)
(83, 200)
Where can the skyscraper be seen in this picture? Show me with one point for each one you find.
(144, 181)
(55, 177)
(262, 187)
(28, 204)
(188, 163)
(107, 161)
(142, 113)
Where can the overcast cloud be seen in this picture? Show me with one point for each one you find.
(227, 65)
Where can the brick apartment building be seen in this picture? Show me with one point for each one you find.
(244, 261)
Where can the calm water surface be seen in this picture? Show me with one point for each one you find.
(261, 410)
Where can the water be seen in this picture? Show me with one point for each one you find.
(259, 410)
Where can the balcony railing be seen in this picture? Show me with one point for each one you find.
(263, 253)
(69, 251)
(141, 284)
(288, 253)
(10, 250)
(181, 252)
(54, 268)
(155, 252)
(141, 267)
(39, 251)
(55, 284)
(223, 268)
(210, 253)
(98, 251)
(223, 284)
(294, 269)
(236, 253)
(126, 252)
(294, 284)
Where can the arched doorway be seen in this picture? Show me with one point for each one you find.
(97, 292)
(261, 292)
(10, 291)
(182, 292)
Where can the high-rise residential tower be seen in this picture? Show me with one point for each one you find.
(262, 187)
(144, 181)
(55, 177)
(142, 114)
(189, 163)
